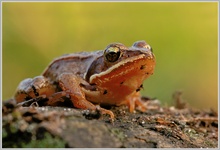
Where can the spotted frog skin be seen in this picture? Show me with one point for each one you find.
(113, 76)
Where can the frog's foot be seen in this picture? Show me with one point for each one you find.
(135, 101)
(96, 114)
(33, 89)
(105, 111)
(70, 84)
(32, 101)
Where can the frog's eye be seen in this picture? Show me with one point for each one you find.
(112, 54)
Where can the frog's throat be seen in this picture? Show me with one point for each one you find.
(116, 66)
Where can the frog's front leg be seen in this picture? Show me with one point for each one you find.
(134, 100)
(70, 84)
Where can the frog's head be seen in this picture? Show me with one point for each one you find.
(117, 54)
(121, 66)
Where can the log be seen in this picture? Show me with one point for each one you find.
(158, 127)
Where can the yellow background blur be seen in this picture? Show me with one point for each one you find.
(184, 37)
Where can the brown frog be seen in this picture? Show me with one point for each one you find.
(110, 77)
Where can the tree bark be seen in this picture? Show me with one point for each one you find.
(158, 127)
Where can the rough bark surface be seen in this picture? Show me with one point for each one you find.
(158, 127)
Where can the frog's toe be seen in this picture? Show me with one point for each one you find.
(140, 105)
(134, 101)
(105, 111)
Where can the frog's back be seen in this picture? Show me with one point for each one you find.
(76, 63)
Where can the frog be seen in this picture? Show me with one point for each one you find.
(91, 80)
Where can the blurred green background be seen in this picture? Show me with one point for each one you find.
(184, 37)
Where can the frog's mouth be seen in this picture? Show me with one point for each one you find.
(122, 64)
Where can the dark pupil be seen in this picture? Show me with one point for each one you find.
(112, 56)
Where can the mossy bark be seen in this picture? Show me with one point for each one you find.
(158, 127)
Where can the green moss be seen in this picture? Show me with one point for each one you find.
(118, 133)
(4, 133)
(47, 142)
